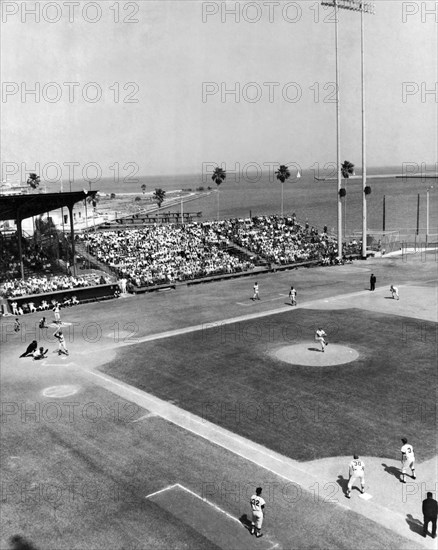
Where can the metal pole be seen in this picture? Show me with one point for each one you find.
(72, 236)
(338, 134)
(384, 213)
(418, 213)
(282, 189)
(427, 215)
(364, 167)
(20, 247)
(345, 213)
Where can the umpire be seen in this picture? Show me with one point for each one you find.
(430, 512)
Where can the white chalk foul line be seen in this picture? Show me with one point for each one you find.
(213, 505)
(162, 490)
(209, 502)
(147, 415)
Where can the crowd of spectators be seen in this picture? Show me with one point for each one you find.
(162, 254)
(33, 258)
(168, 253)
(278, 240)
(42, 285)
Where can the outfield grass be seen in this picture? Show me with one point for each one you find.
(229, 376)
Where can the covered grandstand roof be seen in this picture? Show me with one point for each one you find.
(35, 204)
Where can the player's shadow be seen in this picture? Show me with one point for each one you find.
(246, 522)
(389, 298)
(415, 525)
(343, 483)
(392, 470)
(313, 349)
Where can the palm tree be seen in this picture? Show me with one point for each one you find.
(347, 170)
(33, 181)
(282, 174)
(143, 188)
(218, 177)
(158, 197)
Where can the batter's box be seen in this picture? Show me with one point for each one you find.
(208, 519)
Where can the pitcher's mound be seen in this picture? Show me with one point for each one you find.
(310, 354)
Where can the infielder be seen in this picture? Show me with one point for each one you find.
(257, 507)
(407, 459)
(256, 292)
(61, 342)
(319, 337)
(293, 296)
(356, 470)
(394, 292)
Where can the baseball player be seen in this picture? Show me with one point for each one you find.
(394, 292)
(293, 296)
(61, 342)
(256, 292)
(319, 337)
(407, 459)
(17, 325)
(30, 349)
(257, 507)
(57, 314)
(356, 470)
(40, 354)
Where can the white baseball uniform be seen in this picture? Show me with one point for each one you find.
(356, 470)
(408, 457)
(257, 512)
(319, 337)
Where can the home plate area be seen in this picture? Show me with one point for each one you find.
(208, 519)
(310, 354)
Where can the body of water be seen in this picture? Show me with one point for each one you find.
(312, 200)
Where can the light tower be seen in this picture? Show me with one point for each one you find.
(362, 7)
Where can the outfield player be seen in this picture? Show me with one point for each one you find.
(61, 342)
(256, 292)
(257, 507)
(394, 292)
(356, 470)
(407, 459)
(293, 296)
(319, 337)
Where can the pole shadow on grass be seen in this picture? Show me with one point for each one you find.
(246, 522)
(415, 525)
(392, 470)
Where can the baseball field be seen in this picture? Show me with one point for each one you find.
(172, 407)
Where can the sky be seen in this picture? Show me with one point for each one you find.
(150, 86)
